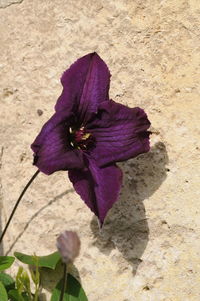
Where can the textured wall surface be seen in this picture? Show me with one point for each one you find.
(149, 248)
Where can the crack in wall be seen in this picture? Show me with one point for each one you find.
(7, 3)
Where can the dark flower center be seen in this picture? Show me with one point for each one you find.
(80, 139)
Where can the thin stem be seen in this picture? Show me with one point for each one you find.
(17, 203)
(29, 292)
(36, 292)
(64, 282)
(37, 279)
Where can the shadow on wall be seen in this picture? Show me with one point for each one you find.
(55, 199)
(126, 226)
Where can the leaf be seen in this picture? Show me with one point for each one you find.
(3, 293)
(7, 281)
(35, 274)
(6, 262)
(19, 284)
(26, 281)
(49, 261)
(73, 291)
(14, 295)
(23, 282)
(26, 297)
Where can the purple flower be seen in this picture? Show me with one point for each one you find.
(89, 133)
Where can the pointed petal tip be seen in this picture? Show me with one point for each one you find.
(98, 187)
(85, 85)
(99, 222)
(86, 59)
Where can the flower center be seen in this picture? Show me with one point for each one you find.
(80, 139)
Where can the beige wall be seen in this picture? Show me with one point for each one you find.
(149, 247)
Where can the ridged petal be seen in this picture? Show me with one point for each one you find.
(98, 187)
(85, 86)
(51, 148)
(120, 133)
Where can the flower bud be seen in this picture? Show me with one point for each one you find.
(68, 244)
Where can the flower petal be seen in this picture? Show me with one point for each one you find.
(98, 187)
(120, 133)
(85, 85)
(52, 151)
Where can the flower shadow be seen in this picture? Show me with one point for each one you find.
(126, 227)
(50, 278)
(52, 201)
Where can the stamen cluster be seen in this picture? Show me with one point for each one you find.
(80, 139)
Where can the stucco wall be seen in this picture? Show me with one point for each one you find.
(149, 248)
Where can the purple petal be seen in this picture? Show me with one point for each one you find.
(120, 133)
(85, 86)
(98, 187)
(52, 151)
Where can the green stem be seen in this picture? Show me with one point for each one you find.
(36, 293)
(64, 282)
(17, 203)
(29, 293)
(37, 279)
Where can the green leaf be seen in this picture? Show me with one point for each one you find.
(49, 261)
(19, 283)
(14, 295)
(26, 297)
(3, 293)
(73, 291)
(7, 281)
(23, 282)
(26, 281)
(35, 274)
(6, 262)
